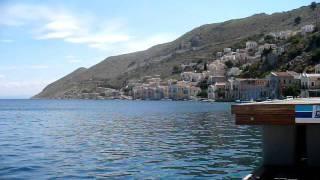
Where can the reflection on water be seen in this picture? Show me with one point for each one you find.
(124, 139)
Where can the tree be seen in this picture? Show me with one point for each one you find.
(229, 64)
(205, 68)
(269, 39)
(315, 57)
(203, 84)
(203, 94)
(297, 20)
(313, 6)
(292, 90)
(220, 93)
(176, 69)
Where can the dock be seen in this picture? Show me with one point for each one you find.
(290, 135)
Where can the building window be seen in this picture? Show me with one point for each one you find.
(312, 84)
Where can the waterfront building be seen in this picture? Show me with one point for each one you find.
(181, 90)
(107, 92)
(310, 85)
(194, 91)
(137, 92)
(279, 81)
(317, 69)
(232, 89)
(248, 89)
(217, 91)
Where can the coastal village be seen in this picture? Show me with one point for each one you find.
(220, 79)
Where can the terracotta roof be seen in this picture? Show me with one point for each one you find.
(282, 74)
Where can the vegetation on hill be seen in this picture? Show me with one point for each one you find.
(302, 53)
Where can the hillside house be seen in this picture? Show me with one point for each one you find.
(227, 50)
(216, 79)
(307, 29)
(191, 76)
(251, 45)
(217, 68)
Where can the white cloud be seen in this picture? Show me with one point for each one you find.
(146, 43)
(54, 35)
(2, 76)
(99, 38)
(22, 14)
(55, 23)
(6, 41)
(58, 23)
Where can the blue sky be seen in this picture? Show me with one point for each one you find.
(41, 41)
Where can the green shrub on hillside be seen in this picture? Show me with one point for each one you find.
(297, 20)
(315, 58)
(229, 64)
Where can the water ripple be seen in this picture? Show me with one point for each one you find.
(124, 140)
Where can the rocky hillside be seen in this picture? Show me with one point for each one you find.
(199, 44)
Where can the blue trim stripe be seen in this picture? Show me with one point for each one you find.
(303, 114)
(304, 108)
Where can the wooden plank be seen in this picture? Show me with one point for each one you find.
(257, 119)
(263, 109)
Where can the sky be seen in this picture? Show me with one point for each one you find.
(44, 40)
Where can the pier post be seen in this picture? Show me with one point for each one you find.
(279, 145)
(313, 145)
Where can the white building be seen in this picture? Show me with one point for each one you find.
(216, 79)
(251, 45)
(234, 71)
(317, 69)
(191, 76)
(310, 85)
(219, 54)
(307, 29)
(217, 91)
(217, 68)
(227, 50)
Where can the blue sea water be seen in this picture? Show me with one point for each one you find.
(86, 139)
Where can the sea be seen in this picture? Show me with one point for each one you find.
(119, 139)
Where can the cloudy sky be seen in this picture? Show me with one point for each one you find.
(41, 41)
